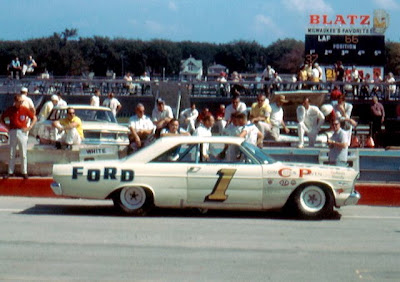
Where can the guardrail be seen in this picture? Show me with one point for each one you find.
(70, 86)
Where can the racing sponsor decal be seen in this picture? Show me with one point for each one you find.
(288, 172)
(109, 173)
(284, 182)
(218, 192)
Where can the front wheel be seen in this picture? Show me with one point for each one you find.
(133, 200)
(313, 201)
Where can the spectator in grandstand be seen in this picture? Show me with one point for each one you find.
(276, 82)
(391, 90)
(162, 114)
(276, 117)
(128, 81)
(223, 85)
(377, 118)
(310, 120)
(15, 68)
(343, 109)
(302, 77)
(338, 146)
(112, 103)
(141, 127)
(30, 66)
(339, 71)
(355, 78)
(95, 99)
(235, 106)
(47, 107)
(70, 130)
(364, 90)
(145, 86)
(173, 129)
(267, 76)
(260, 113)
(188, 118)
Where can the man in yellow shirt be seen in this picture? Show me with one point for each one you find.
(70, 130)
(259, 114)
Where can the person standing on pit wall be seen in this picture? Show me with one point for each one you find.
(338, 146)
(95, 99)
(276, 117)
(310, 120)
(19, 126)
(112, 103)
(260, 113)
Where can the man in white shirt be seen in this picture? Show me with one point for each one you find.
(112, 103)
(234, 107)
(47, 107)
(61, 101)
(310, 119)
(141, 127)
(276, 117)
(249, 131)
(162, 114)
(95, 99)
(27, 101)
(204, 130)
(188, 118)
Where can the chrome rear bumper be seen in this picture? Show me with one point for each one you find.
(56, 187)
(353, 198)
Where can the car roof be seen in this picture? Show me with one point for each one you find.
(82, 106)
(165, 143)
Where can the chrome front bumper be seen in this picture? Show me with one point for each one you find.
(353, 198)
(56, 187)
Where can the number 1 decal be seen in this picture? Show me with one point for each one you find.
(218, 193)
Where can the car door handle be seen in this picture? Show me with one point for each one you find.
(194, 169)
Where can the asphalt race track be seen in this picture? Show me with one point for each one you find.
(48, 239)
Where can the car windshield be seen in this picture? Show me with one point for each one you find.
(259, 154)
(85, 115)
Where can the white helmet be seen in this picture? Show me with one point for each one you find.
(326, 109)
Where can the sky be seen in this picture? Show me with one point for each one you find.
(214, 21)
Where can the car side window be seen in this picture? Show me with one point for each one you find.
(227, 153)
(185, 153)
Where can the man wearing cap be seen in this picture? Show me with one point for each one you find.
(276, 117)
(47, 107)
(310, 120)
(162, 114)
(18, 127)
(260, 113)
(27, 101)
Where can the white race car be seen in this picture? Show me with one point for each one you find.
(208, 173)
(98, 123)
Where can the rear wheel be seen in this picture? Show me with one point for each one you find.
(133, 200)
(313, 201)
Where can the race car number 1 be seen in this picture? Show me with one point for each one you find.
(218, 193)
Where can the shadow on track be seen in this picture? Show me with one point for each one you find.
(109, 210)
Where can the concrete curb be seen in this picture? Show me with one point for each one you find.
(373, 194)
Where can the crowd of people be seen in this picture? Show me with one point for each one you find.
(262, 121)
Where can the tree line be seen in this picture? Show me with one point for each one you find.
(62, 54)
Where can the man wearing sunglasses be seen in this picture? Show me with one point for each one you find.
(69, 129)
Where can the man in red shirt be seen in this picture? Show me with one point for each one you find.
(18, 127)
